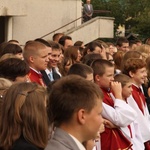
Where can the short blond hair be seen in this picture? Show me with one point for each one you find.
(31, 49)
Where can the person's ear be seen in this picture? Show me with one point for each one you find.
(88, 51)
(97, 78)
(131, 74)
(81, 114)
(31, 59)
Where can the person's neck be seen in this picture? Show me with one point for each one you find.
(136, 84)
(49, 68)
(34, 69)
(124, 98)
(73, 130)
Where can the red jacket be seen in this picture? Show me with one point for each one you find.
(113, 139)
(35, 77)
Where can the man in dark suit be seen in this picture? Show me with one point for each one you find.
(74, 109)
(87, 10)
(52, 72)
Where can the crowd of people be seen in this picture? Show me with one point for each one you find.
(63, 94)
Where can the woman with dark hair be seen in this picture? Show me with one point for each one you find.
(73, 53)
(14, 69)
(12, 49)
(71, 56)
(24, 123)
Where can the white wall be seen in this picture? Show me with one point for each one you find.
(12, 7)
(44, 16)
(31, 19)
(98, 27)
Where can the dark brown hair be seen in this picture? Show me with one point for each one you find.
(11, 49)
(12, 68)
(80, 69)
(121, 40)
(69, 95)
(100, 65)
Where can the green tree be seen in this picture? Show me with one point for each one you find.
(134, 14)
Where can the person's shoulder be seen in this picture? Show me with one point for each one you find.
(22, 144)
(61, 140)
(56, 145)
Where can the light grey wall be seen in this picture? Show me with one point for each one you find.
(31, 19)
(12, 7)
(39, 17)
(99, 27)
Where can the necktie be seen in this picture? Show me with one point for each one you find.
(50, 75)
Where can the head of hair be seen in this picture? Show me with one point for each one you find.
(99, 66)
(91, 47)
(110, 43)
(138, 41)
(102, 43)
(55, 45)
(32, 48)
(66, 61)
(69, 95)
(117, 57)
(89, 58)
(130, 54)
(80, 69)
(13, 41)
(11, 49)
(132, 65)
(24, 114)
(12, 68)
(131, 42)
(121, 40)
(2, 45)
(144, 49)
(72, 53)
(63, 39)
(122, 78)
(148, 66)
(78, 43)
(56, 36)
(147, 41)
(43, 41)
(4, 86)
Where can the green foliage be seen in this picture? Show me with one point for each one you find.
(134, 14)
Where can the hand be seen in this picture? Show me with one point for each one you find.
(117, 89)
(102, 128)
(109, 124)
(103, 53)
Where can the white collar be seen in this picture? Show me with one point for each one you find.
(48, 71)
(38, 72)
(81, 147)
